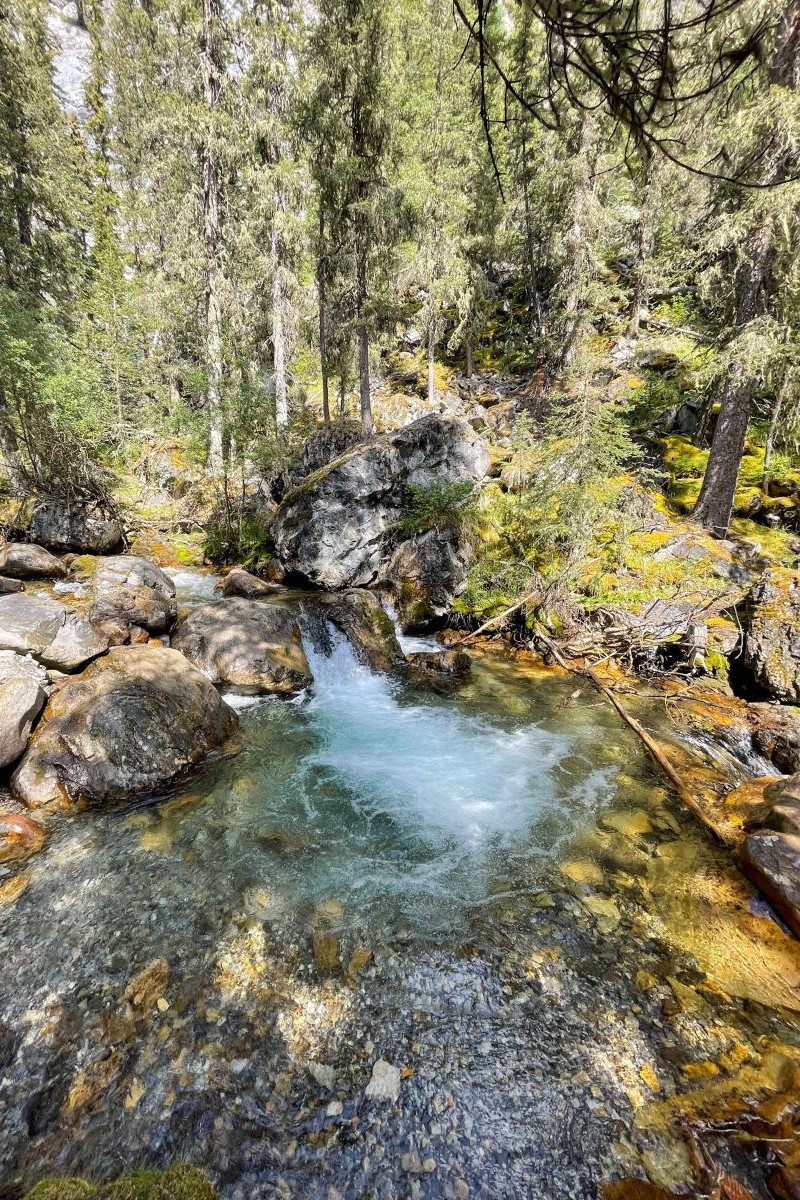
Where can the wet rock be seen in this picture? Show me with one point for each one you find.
(777, 735)
(44, 628)
(22, 560)
(135, 591)
(7, 586)
(21, 701)
(425, 574)
(772, 862)
(13, 888)
(771, 651)
(239, 582)
(20, 837)
(334, 528)
(385, 1081)
(362, 619)
(247, 645)
(443, 662)
(132, 722)
(85, 528)
(8, 1046)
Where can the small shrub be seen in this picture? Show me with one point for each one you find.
(434, 506)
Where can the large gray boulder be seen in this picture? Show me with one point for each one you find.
(86, 528)
(248, 646)
(23, 560)
(771, 651)
(21, 701)
(335, 528)
(133, 590)
(361, 617)
(132, 722)
(45, 629)
(424, 575)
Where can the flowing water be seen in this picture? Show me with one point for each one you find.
(480, 882)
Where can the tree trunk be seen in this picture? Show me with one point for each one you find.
(576, 241)
(715, 503)
(211, 234)
(642, 250)
(278, 335)
(769, 448)
(323, 340)
(367, 425)
(342, 397)
(530, 243)
(754, 286)
(468, 364)
(431, 349)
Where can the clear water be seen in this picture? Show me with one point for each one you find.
(459, 837)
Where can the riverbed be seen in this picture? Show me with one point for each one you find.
(427, 939)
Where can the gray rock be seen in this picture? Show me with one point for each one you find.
(424, 575)
(85, 528)
(361, 617)
(249, 646)
(771, 651)
(23, 560)
(334, 528)
(44, 628)
(21, 701)
(133, 590)
(771, 861)
(10, 585)
(385, 1081)
(132, 722)
(443, 662)
(239, 582)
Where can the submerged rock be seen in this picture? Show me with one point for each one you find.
(20, 837)
(85, 528)
(44, 628)
(22, 560)
(334, 527)
(771, 652)
(444, 662)
(132, 722)
(248, 645)
(771, 861)
(133, 590)
(364, 622)
(425, 574)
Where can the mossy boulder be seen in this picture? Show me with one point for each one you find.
(771, 652)
(361, 617)
(176, 1183)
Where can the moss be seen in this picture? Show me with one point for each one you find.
(176, 1183)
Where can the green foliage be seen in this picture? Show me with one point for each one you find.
(440, 505)
(176, 1183)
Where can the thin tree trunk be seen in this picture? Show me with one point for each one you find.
(530, 246)
(468, 364)
(576, 241)
(367, 425)
(211, 233)
(278, 336)
(431, 349)
(342, 397)
(323, 340)
(769, 448)
(753, 287)
(642, 251)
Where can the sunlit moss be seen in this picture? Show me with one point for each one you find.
(176, 1183)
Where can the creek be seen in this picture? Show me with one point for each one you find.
(481, 882)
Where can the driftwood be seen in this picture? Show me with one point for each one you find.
(500, 617)
(655, 751)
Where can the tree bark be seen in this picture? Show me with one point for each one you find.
(431, 349)
(754, 287)
(576, 241)
(323, 338)
(211, 231)
(278, 334)
(367, 425)
(642, 250)
(468, 364)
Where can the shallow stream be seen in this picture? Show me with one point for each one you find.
(481, 883)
